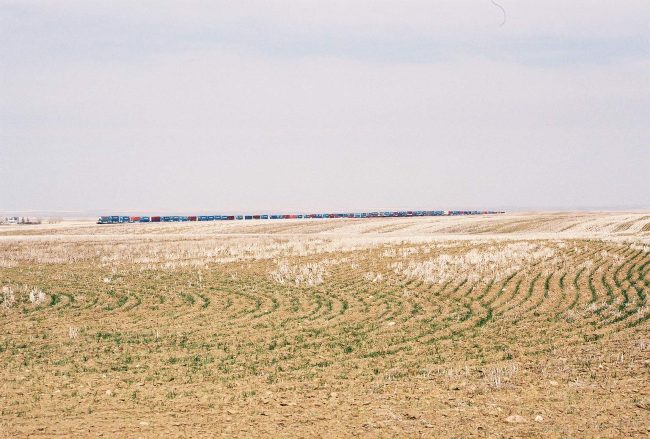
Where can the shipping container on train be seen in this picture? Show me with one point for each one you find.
(117, 219)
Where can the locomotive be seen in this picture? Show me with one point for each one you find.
(117, 219)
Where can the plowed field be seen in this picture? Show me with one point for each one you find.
(528, 325)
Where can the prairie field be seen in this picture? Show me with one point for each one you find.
(514, 325)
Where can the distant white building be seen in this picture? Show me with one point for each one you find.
(20, 220)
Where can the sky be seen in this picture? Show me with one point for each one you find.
(311, 105)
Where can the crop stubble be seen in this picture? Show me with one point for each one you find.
(515, 325)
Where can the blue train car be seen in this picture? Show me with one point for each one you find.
(115, 219)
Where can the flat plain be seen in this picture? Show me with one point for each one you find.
(515, 325)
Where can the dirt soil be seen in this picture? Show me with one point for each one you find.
(516, 325)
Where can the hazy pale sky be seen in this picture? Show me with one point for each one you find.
(313, 105)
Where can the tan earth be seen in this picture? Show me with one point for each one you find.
(515, 325)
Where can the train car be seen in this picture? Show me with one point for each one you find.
(115, 219)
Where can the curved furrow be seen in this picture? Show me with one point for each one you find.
(526, 291)
(462, 314)
(441, 309)
(640, 313)
(592, 316)
(538, 308)
(553, 300)
(119, 300)
(633, 298)
(619, 300)
(576, 282)
(134, 302)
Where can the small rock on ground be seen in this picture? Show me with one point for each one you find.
(515, 419)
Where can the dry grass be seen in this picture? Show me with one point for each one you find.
(516, 325)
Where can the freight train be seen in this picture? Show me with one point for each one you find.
(116, 219)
